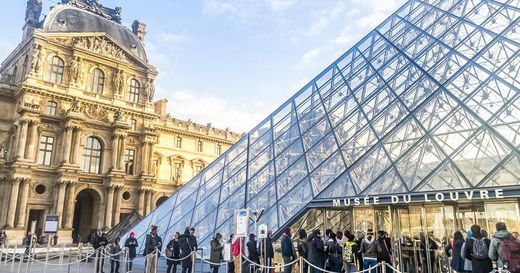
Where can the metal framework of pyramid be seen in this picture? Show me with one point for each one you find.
(429, 100)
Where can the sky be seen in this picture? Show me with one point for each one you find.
(232, 62)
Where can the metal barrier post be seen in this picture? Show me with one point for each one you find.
(12, 258)
(383, 267)
(29, 255)
(46, 256)
(126, 260)
(193, 261)
(301, 264)
(21, 261)
(96, 260)
(1, 252)
(155, 260)
(78, 259)
(61, 255)
(69, 260)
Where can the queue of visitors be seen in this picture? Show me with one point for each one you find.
(341, 252)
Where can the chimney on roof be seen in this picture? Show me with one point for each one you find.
(160, 107)
(139, 29)
(33, 11)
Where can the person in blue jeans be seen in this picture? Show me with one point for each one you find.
(369, 250)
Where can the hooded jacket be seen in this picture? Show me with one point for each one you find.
(316, 250)
(495, 250)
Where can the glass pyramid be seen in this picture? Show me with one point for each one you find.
(429, 100)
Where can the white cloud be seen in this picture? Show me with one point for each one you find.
(218, 7)
(280, 5)
(325, 17)
(309, 57)
(205, 108)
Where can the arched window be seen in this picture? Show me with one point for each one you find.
(219, 149)
(92, 153)
(55, 70)
(179, 142)
(133, 93)
(199, 146)
(51, 108)
(97, 81)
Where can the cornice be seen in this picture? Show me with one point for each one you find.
(195, 135)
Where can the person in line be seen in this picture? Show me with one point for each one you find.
(505, 249)
(27, 242)
(467, 263)
(369, 250)
(350, 250)
(288, 253)
(237, 250)
(193, 239)
(173, 253)
(187, 249)
(334, 253)
(115, 251)
(3, 238)
(253, 256)
(231, 264)
(316, 253)
(303, 249)
(152, 248)
(476, 250)
(216, 253)
(131, 245)
(454, 250)
(267, 251)
(100, 242)
(359, 256)
(384, 250)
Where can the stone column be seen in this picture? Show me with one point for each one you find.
(144, 156)
(66, 145)
(22, 206)
(71, 203)
(109, 207)
(115, 140)
(33, 141)
(141, 205)
(77, 144)
(11, 213)
(117, 205)
(148, 201)
(150, 158)
(60, 203)
(22, 139)
(122, 148)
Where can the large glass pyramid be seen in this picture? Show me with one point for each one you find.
(429, 100)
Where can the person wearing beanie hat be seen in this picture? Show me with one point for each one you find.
(288, 253)
(131, 244)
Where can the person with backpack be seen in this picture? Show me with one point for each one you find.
(302, 248)
(505, 249)
(350, 248)
(334, 251)
(453, 250)
(369, 251)
(476, 250)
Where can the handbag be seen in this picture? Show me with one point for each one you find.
(389, 253)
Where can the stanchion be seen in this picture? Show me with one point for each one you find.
(78, 259)
(61, 255)
(29, 257)
(21, 261)
(383, 267)
(193, 261)
(96, 260)
(2, 253)
(12, 258)
(69, 260)
(301, 264)
(46, 256)
(125, 260)
(155, 260)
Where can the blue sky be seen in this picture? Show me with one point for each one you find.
(232, 62)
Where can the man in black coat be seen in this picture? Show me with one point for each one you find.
(316, 252)
(252, 250)
(100, 242)
(152, 248)
(187, 247)
(268, 249)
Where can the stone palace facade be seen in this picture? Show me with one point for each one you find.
(80, 133)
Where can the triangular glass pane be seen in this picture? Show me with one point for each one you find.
(327, 172)
(369, 167)
(342, 187)
(445, 179)
(482, 153)
(295, 200)
(290, 178)
(508, 173)
(389, 182)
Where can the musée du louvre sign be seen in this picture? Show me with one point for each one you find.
(429, 197)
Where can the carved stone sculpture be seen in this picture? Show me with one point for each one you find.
(118, 115)
(118, 81)
(37, 58)
(75, 69)
(75, 106)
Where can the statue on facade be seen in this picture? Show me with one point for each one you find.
(75, 69)
(75, 106)
(37, 58)
(118, 81)
(118, 115)
(151, 89)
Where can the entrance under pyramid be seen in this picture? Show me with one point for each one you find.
(414, 130)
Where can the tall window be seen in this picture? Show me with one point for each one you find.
(179, 142)
(199, 146)
(55, 70)
(46, 147)
(133, 124)
(51, 107)
(133, 93)
(219, 149)
(92, 153)
(129, 161)
(97, 81)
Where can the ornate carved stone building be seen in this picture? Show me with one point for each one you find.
(80, 135)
